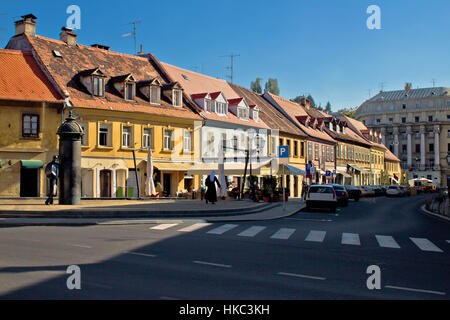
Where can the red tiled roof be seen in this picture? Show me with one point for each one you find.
(65, 72)
(194, 83)
(294, 110)
(21, 78)
(234, 102)
(199, 96)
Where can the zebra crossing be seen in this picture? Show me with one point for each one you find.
(315, 236)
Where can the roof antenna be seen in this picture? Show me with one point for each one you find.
(231, 56)
(433, 81)
(134, 23)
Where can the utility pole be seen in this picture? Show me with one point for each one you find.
(134, 23)
(231, 56)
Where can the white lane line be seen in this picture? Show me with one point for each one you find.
(194, 227)
(351, 239)
(222, 229)
(387, 242)
(141, 254)
(300, 276)
(416, 290)
(81, 246)
(283, 234)
(164, 226)
(251, 232)
(212, 264)
(425, 245)
(316, 236)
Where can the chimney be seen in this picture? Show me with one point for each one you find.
(68, 36)
(305, 102)
(100, 46)
(26, 25)
(408, 86)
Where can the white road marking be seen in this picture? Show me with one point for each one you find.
(222, 229)
(425, 245)
(164, 226)
(251, 232)
(387, 242)
(212, 264)
(416, 290)
(300, 276)
(316, 236)
(194, 227)
(141, 254)
(283, 234)
(351, 239)
(81, 246)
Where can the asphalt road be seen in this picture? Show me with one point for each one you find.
(306, 256)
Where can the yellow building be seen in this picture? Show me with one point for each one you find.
(124, 105)
(392, 167)
(283, 133)
(30, 113)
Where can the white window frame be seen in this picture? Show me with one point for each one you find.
(147, 138)
(187, 141)
(167, 140)
(152, 94)
(127, 137)
(177, 97)
(108, 135)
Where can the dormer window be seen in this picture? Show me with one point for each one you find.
(129, 91)
(98, 87)
(126, 85)
(243, 113)
(177, 98)
(255, 115)
(209, 104)
(221, 108)
(94, 81)
(151, 89)
(155, 94)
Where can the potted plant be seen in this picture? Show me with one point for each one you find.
(265, 193)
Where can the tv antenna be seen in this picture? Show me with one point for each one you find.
(382, 84)
(231, 56)
(433, 81)
(134, 23)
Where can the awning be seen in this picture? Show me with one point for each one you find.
(357, 168)
(344, 174)
(286, 169)
(172, 166)
(230, 168)
(0, 163)
(32, 164)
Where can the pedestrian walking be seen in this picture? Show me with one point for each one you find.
(211, 192)
(304, 190)
(52, 171)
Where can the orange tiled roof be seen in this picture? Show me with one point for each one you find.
(75, 59)
(21, 78)
(294, 110)
(195, 83)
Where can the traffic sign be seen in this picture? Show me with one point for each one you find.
(283, 152)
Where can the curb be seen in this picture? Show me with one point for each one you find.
(434, 214)
(124, 214)
(264, 219)
(135, 220)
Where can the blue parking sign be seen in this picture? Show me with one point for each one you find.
(283, 152)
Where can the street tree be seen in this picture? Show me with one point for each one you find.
(272, 86)
(256, 85)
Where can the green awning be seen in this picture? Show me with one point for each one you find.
(0, 163)
(32, 164)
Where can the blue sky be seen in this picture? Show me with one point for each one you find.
(319, 47)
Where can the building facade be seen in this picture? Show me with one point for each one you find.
(415, 127)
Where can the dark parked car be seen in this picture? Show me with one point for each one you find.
(379, 191)
(341, 194)
(354, 192)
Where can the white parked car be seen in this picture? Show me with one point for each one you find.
(394, 191)
(321, 196)
(367, 191)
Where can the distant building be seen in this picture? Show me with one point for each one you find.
(415, 126)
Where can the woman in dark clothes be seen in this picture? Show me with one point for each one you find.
(210, 183)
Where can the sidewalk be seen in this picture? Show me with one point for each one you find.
(15, 213)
